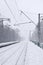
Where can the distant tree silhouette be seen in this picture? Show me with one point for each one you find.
(7, 34)
(34, 36)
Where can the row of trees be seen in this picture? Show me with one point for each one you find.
(7, 34)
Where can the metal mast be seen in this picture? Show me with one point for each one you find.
(39, 29)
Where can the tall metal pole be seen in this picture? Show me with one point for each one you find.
(39, 29)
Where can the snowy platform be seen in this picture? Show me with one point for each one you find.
(15, 54)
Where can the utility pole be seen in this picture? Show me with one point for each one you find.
(39, 29)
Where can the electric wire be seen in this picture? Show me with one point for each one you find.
(18, 10)
(25, 22)
(23, 13)
(28, 17)
(10, 10)
(21, 23)
(10, 56)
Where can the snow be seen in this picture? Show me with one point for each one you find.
(34, 55)
(10, 55)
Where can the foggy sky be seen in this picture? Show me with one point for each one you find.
(30, 7)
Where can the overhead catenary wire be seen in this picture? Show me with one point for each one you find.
(18, 24)
(21, 23)
(18, 10)
(23, 13)
(11, 55)
(31, 21)
(28, 17)
(10, 10)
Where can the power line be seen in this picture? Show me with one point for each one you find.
(41, 13)
(21, 23)
(25, 22)
(27, 17)
(18, 10)
(11, 55)
(10, 10)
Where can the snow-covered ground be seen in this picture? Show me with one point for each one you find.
(15, 54)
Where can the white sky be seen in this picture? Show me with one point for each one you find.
(34, 6)
(30, 7)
